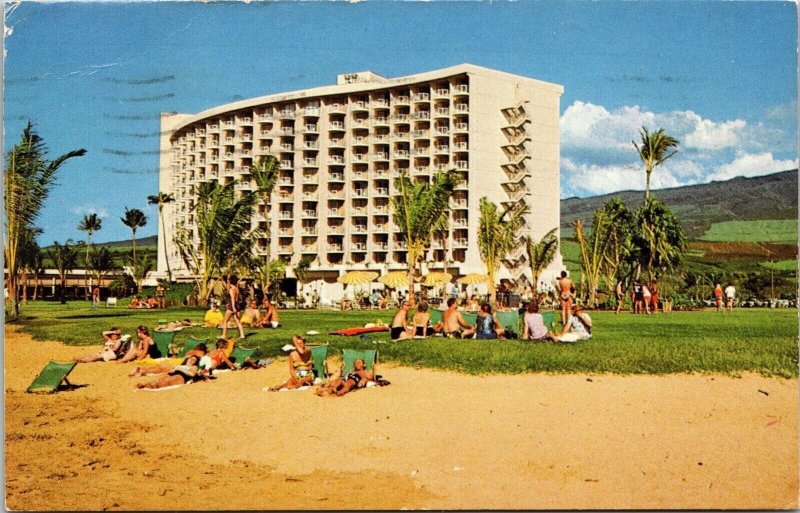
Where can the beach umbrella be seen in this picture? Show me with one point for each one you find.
(395, 279)
(357, 277)
(473, 279)
(436, 278)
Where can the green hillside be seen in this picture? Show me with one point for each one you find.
(701, 206)
(771, 230)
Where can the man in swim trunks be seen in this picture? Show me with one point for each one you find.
(454, 324)
(357, 378)
(400, 322)
(566, 288)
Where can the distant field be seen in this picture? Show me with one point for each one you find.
(773, 230)
(783, 265)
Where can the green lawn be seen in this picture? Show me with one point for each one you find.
(757, 340)
(774, 230)
(782, 265)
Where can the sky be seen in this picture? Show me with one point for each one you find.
(721, 77)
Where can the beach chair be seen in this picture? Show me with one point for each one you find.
(52, 376)
(319, 355)
(240, 354)
(436, 315)
(190, 344)
(162, 340)
(349, 357)
(470, 317)
(549, 320)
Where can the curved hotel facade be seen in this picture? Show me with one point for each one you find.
(341, 146)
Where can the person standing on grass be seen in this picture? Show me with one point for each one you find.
(231, 306)
(620, 295)
(718, 297)
(566, 289)
(647, 297)
(160, 300)
(654, 296)
(730, 296)
(95, 297)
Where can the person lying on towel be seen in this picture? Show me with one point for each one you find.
(356, 379)
(186, 372)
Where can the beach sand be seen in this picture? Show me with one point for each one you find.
(431, 439)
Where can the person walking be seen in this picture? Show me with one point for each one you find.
(718, 297)
(566, 289)
(232, 307)
(620, 295)
(730, 296)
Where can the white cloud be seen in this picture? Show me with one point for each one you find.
(708, 135)
(592, 179)
(90, 208)
(752, 164)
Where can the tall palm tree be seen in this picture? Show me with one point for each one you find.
(540, 254)
(162, 199)
(89, 224)
(134, 219)
(224, 229)
(265, 175)
(497, 234)
(64, 258)
(27, 181)
(654, 150)
(420, 209)
(660, 237)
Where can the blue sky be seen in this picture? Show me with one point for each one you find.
(719, 76)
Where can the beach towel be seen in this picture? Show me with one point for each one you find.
(349, 332)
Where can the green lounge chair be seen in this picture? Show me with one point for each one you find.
(240, 354)
(470, 318)
(162, 340)
(52, 376)
(192, 343)
(549, 320)
(436, 315)
(349, 357)
(318, 356)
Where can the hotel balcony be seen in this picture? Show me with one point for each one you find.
(379, 156)
(335, 177)
(381, 121)
(285, 147)
(311, 111)
(381, 228)
(460, 89)
(286, 113)
(423, 114)
(334, 248)
(360, 228)
(309, 249)
(442, 130)
(359, 105)
(308, 129)
(264, 117)
(286, 198)
(308, 162)
(335, 213)
(421, 97)
(401, 100)
(287, 130)
(336, 143)
(441, 148)
(441, 92)
(336, 126)
(287, 164)
(309, 214)
(381, 191)
(461, 107)
(337, 108)
(285, 214)
(336, 195)
(310, 231)
(286, 232)
(310, 179)
(442, 112)
(460, 243)
(336, 230)
(460, 127)
(400, 154)
(462, 165)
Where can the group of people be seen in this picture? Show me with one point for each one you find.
(730, 296)
(576, 326)
(240, 311)
(644, 296)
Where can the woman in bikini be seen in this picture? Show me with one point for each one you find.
(301, 371)
(356, 379)
(141, 350)
(231, 308)
(145, 370)
(422, 322)
(186, 372)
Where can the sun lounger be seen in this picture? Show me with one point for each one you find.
(549, 319)
(52, 376)
(162, 341)
(436, 315)
(470, 318)
(190, 344)
(240, 354)
(508, 319)
(349, 357)
(318, 357)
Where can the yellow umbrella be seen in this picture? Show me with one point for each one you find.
(473, 279)
(436, 278)
(395, 279)
(357, 277)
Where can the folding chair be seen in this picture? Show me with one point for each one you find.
(162, 340)
(190, 344)
(52, 376)
(349, 357)
(319, 354)
(240, 354)
(436, 315)
(508, 319)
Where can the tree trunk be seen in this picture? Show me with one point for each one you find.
(164, 236)
(25, 289)
(647, 183)
(492, 290)
(411, 297)
(63, 287)
(86, 275)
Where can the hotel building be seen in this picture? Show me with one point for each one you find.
(340, 148)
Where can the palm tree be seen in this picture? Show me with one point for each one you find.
(224, 229)
(100, 263)
(265, 175)
(420, 209)
(660, 237)
(540, 254)
(134, 219)
(497, 234)
(162, 199)
(27, 182)
(654, 150)
(64, 258)
(90, 224)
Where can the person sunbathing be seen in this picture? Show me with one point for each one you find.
(144, 370)
(135, 303)
(251, 316)
(356, 379)
(142, 349)
(422, 322)
(400, 328)
(220, 357)
(270, 319)
(174, 325)
(186, 372)
(301, 371)
(112, 347)
(578, 327)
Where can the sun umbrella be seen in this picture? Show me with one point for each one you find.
(436, 278)
(395, 279)
(473, 279)
(357, 277)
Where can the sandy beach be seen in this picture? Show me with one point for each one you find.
(431, 439)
